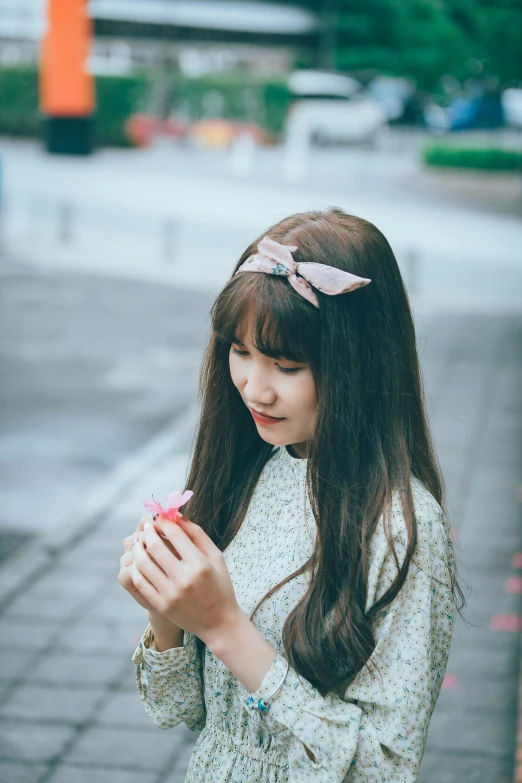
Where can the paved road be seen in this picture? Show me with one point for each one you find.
(91, 369)
(182, 217)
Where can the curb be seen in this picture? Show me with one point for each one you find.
(41, 555)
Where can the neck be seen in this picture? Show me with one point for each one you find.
(299, 450)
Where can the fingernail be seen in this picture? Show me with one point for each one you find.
(135, 540)
(146, 525)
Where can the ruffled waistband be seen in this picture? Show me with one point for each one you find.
(256, 752)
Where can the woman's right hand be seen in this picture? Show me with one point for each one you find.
(126, 562)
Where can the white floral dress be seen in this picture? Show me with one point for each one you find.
(378, 731)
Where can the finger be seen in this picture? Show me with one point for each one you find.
(125, 578)
(126, 559)
(143, 538)
(122, 576)
(158, 527)
(150, 570)
(139, 537)
(179, 538)
(156, 524)
(143, 586)
(144, 519)
(161, 551)
(198, 536)
(127, 542)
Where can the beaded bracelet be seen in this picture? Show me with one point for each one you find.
(262, 704)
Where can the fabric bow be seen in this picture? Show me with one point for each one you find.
(276, 259)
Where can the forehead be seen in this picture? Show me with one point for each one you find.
(257, 331)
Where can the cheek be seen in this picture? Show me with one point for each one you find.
(235, 370)
(305, 393)
(311, 396)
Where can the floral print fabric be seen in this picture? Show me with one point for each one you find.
(377, 732)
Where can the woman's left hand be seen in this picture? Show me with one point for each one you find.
(191, 586)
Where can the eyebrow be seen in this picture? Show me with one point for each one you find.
(239, 342)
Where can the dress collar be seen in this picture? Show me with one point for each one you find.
(294, 463)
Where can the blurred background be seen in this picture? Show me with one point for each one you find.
(143, 145)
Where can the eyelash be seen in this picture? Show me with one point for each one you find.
(285, 370)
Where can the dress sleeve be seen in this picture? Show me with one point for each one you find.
(170, 683)
(377, 732)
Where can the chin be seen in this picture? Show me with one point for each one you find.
(274, 440)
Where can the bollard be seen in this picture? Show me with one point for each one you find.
(169, 238)
(242, 154)
(65, 219)
(297, 148)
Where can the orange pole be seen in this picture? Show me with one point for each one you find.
(66, 87)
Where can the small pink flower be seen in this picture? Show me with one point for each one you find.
(172, 504)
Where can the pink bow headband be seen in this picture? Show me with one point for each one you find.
(276, 259)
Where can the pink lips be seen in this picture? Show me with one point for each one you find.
(264, 419)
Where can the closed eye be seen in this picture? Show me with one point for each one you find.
(286, 370)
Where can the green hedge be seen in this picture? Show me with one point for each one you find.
(117, 97)
(19, 102)
(483, 158)
(234, 96)
(278, 99)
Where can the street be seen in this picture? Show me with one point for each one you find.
(92, 368)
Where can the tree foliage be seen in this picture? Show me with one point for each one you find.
(425, 39)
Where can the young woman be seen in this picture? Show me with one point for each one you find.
(301, 613)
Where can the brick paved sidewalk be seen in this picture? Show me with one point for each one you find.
(69, 707)
(518, 761)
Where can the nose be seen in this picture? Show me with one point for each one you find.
(257, 388)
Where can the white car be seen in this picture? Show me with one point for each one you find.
(512, 105)
(332, 109)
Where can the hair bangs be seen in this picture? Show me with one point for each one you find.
(268, 312)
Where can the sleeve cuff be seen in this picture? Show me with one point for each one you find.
(299, 707)
(289, 699)
(271, 679)
(147, 653)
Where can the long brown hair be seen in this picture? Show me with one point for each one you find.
(370, 434)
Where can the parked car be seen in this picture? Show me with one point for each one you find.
(512, 105)
(466, 113)
(331, 108)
